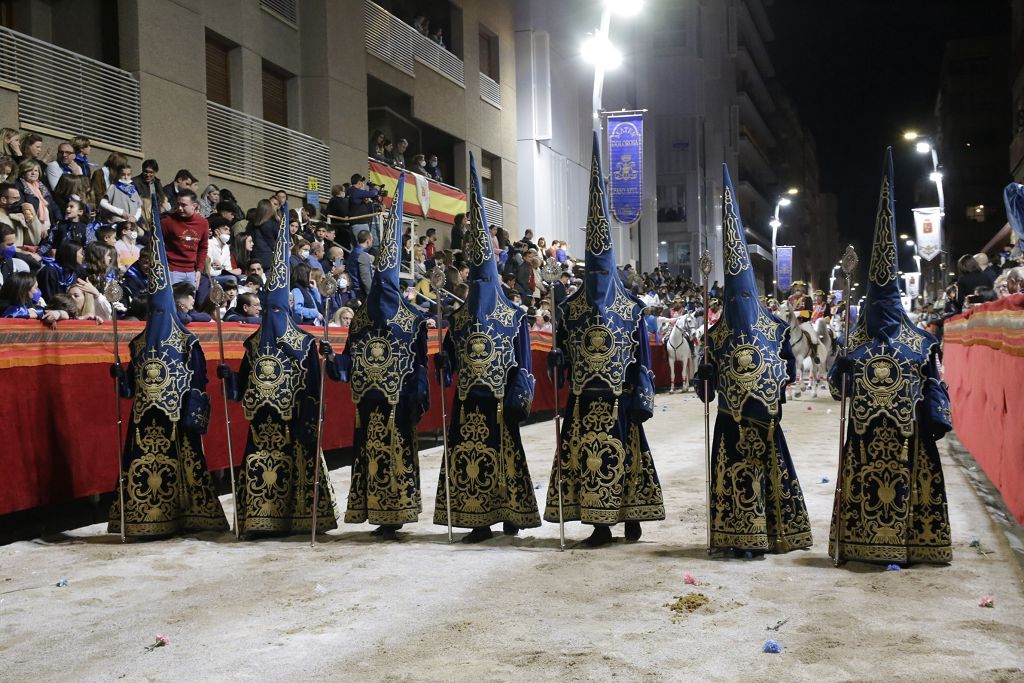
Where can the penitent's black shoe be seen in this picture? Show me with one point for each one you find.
(389, 533)
(509, 529)
(478, 535)
(633, 531)
(602, 535)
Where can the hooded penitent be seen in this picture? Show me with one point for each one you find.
(747, 338)
(279, 347)
(486, 326)
(166, 345)
(601, 317)
(384, 329)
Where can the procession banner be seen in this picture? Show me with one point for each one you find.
(928, 222)
(913, 284)
(625, 152)
(784, 267)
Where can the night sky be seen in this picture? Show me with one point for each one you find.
(861, 73)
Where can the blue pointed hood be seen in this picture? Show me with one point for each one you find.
(883, 310)
(386, 293)
(162, 320)
(1013, 199)
(277, 326)
(484, 283)
(602, 276)
(742, 298)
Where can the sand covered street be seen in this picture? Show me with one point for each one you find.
(355, 608)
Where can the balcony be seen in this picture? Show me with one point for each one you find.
(252, 151)
(490, 90)
(752, 157)
(751, 81)
(64, 93)
(392, 40)
(751, 119)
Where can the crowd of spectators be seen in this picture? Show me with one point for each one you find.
(392, 153)
(979, 280)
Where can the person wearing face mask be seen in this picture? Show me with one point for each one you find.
(62, 270)
(222, 269)
(122, 201)
(433, 170)
(20, 297)
(9, 261)
(127, 245)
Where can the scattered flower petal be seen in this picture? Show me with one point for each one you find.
(987, 601)
(975, 542)
(892, 568)
(824, 480)
(63, 582)
(771, 647)
(690, 579)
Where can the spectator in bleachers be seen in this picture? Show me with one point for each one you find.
(9, 260)
(185, 304)
(263, 229)
(989, 270)
(20, 297)
(73, 227)
(241, 252)
(8, 169)
(10, 143)
(186, 238)
(83, 301)
(223, 268)
(434, 169)
(208, 200)
(105, 175)
(306, 302)
(970, 278)
(35, 192)
(398, 159)
(419, 165)
(105, 234)
(32, 150)
(61, 270)
(421, 24)
(359, 265)
(64, 164)
(279, 199)
(83, 147)
(122, 202)
(76, 187)
(146, 182)
(100, 262)
(300, 253)
(183, 181)
(343, 318)
(376, 150)
(229, 208)
(27, 229)
(127, 245)
(247, 309)
(458, 231)
(1015, 280)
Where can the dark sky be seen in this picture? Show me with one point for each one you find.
(861, 72)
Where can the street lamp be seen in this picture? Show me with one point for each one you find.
(775, 224)
(599, 50)
(925, 146)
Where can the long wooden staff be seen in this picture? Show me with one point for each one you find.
(114, 293)
(218, 297)
(705, 269)
(328, 286)
(848, 264)
(437, 282)
(552, 273)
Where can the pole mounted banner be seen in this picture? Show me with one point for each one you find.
(784, 267)
(626, 157)
(928, 222)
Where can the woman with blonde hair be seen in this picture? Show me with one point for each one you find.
(343, 317)
(36, 193)
(10, 142)
(208, 200)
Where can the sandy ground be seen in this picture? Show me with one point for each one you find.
(517, 609)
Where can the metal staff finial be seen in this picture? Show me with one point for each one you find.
(328, 287)
(114, 293)
(218, 297)
(551, 272)
(848, 264)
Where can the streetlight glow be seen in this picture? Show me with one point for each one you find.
(626, 8)
(775, 223)
(910, 243)
(793, 191)
(911, 135)
(935, 177)
(923, 147)
(785, 201)
(599, 50)
(904, 236)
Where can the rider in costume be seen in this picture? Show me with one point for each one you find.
(892, 507)
(756, 501)
(608, 473)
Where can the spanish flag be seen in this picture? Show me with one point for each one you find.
(423, 197)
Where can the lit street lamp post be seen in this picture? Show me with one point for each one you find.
(775, 223)
(924, 146)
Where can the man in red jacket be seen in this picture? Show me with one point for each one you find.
(186, 237)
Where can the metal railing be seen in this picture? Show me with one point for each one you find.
(286, 9)
(493, 211)
(254, 151)
(490, 90)
(71, 94)
(400, 45)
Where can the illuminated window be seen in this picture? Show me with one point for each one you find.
(976, 213)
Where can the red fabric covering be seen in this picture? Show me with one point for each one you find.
(984, 367)
(60, 441)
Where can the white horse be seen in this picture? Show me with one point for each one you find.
(679, 344)
(810, 352)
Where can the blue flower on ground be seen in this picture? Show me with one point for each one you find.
(892, 568)
(824, 480)
(772, 647)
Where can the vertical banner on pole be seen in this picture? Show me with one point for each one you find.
(913, 284)
(784, 267)
(928, 222)
(625, 154)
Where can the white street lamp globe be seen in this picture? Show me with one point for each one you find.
(923, 147)
(775, 223)
(599, 51)
(785, 201)
(935, 176)
(625, 8)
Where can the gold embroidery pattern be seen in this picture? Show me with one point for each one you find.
(607, 476)
(404, 319)
(883, 253)
(385, 474)
(885, 384)
(748, 373)
(736, 258)
(599, 240)
(380, 362)
(167, 486)
(162, 380)
(756, 500)
(278, 277)
(275, 380)
(387, 248)
(911, 337)
(486, 353)
(578, 305)
(476, 245)
(893, 507)
(601, 352)
(490, 481)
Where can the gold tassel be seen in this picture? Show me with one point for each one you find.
(396, 456)
(903, 453)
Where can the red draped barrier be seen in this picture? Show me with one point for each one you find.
(60, 415)
(984, 367)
